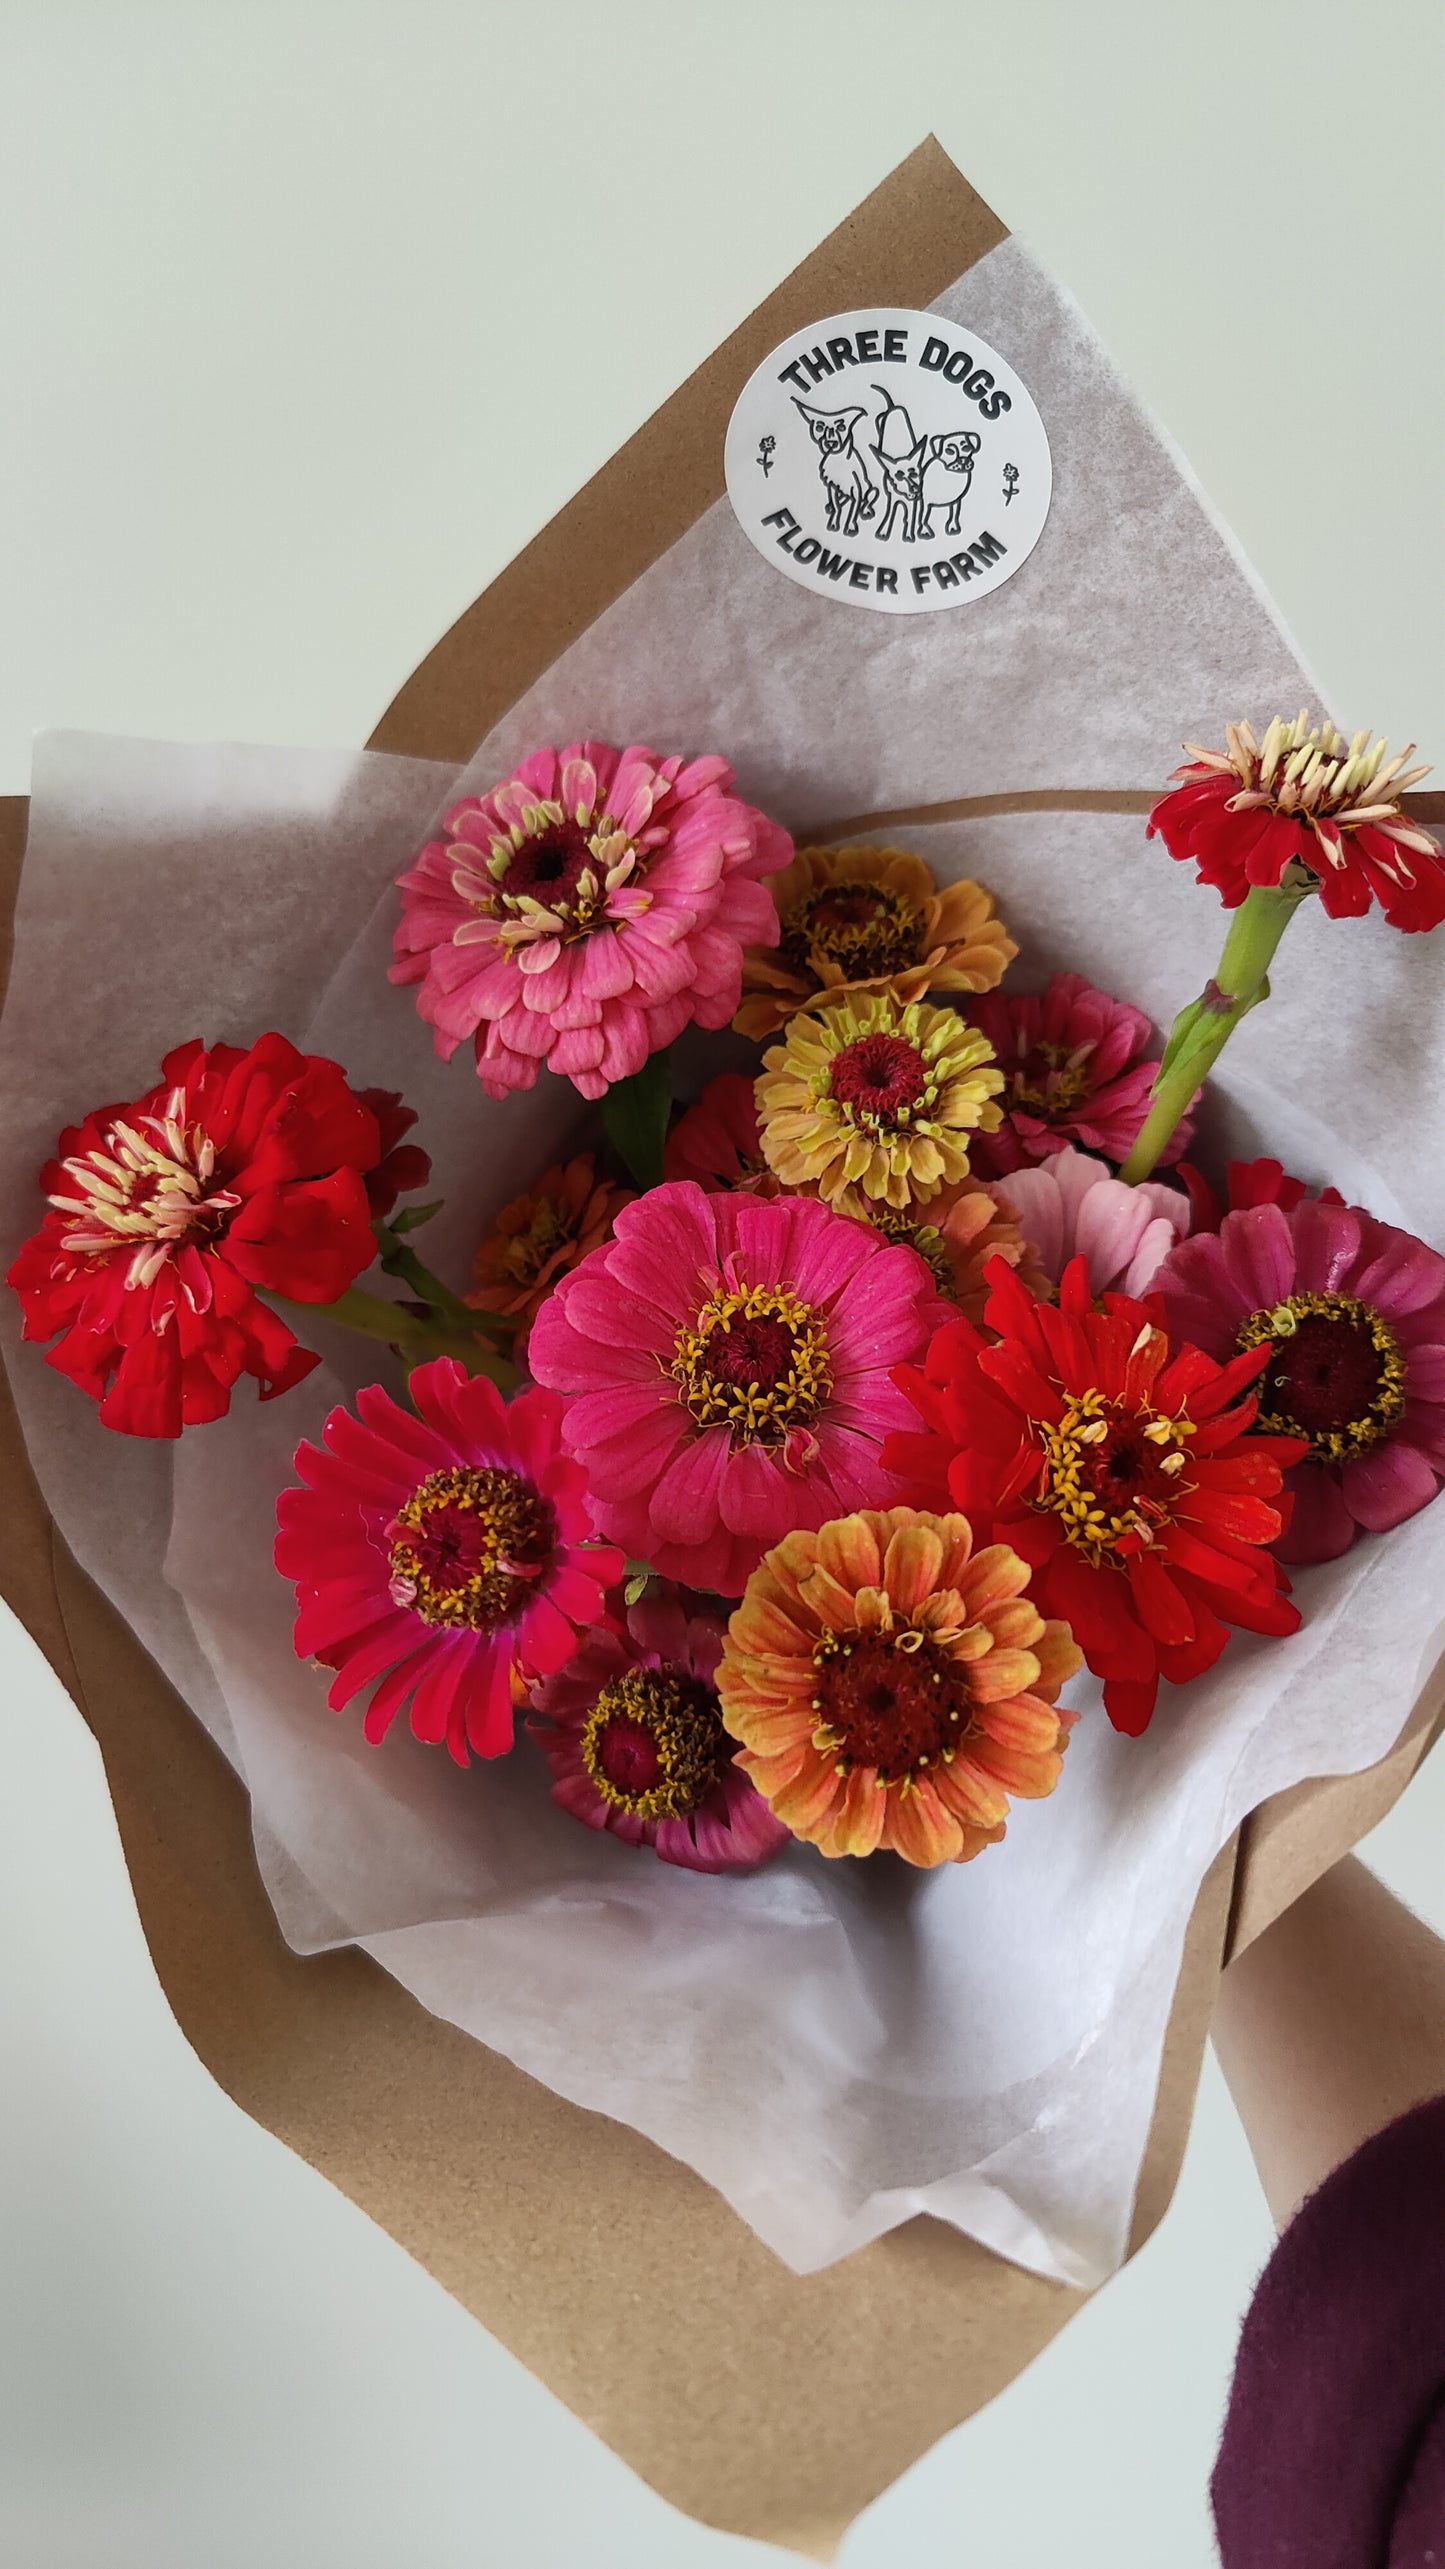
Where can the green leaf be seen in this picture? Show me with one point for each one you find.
(415, 1215)
(635, 1113)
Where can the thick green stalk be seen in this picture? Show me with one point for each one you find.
(1202, 1029)
(635, 1113)
(402, 1262)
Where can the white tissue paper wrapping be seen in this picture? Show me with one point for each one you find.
(835, 2047)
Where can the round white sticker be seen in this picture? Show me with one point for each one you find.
(890, 459)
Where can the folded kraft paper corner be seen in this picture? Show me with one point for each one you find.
(607, 2265)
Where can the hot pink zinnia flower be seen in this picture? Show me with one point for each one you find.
(718, 1141)
(1353, 1312)
(1074, 1071)
(585, 911)
(633, 1734)
(1070, 1206)
(727, 1361)
(448, 1555)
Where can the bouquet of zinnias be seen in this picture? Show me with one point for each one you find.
(793, 1447)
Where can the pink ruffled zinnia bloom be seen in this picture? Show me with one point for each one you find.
(585, 911)
(633, 1733)
(448, 1555)
(1353, 1311)
(719, 1140)
(727, 1364)
(1074, 1070)
(1070, 1206)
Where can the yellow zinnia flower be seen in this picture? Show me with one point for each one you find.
(875, 1095)
(868, 918)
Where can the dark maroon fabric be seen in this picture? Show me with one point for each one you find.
(1334, 2446)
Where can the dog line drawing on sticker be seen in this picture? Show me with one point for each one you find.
(847, 482)
(947, 475)
(900, 461)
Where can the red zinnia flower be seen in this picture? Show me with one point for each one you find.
(1246, 1183)
(1119, 1466)
(1075, 1071)
(443, 1559)
(240, 1170)
(403, 1166)
(719, 1143)
(1246, 814)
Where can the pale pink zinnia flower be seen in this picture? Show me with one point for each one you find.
(727, 1362)
(1070, 1206)
(449, 1555)
(632, 1730)
(585, 911)
(1075, 1070)
(1353, 1313)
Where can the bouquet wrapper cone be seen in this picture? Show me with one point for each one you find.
(623, 2282)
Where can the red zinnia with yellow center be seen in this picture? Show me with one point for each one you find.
(1120, 1467)
(891, 1687)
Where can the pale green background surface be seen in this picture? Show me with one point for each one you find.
(310, 316)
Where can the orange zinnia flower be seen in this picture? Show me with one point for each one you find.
(891, 1687)
(956, 1234)
(869, 918)
(539, 1236)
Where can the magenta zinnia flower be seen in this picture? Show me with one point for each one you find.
(449, 1556)
(633, 1733)
(585, 911)
(727, 1364)
(1070, 1206)
(1353, 1312)
(1074, 1070)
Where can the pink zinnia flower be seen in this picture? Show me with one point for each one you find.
(585, 911)
(1353, 1313)
(1074, 1070)
(719, 1142)
(449, 1555)
(632, 1731)
(727, 1365)
(1070, 1206)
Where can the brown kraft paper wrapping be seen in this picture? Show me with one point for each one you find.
(608, 2268)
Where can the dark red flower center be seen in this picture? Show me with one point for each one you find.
(866, 929)
(755, 1361)
(1052, 1079)
(654, 1743)
(549, 867)
(880, 1077)
(469, 1546)
(889, 1701)
(1112, 1475)
(1335, 1375)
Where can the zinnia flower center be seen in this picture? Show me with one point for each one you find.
(469, 1546)
(880, 1079)
(754, 1361)
(1111, 1474)
(1336, 1376)
(923, 1237)
(867, 929)
(555, 873)
(654, 1743)
(890, 1701)
(148, 1187)
(1052, 1079)
(533, 1235)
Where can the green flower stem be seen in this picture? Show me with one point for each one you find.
(416, 1338)
(1201, 1031)
(635, 1113)
(398, 1260)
